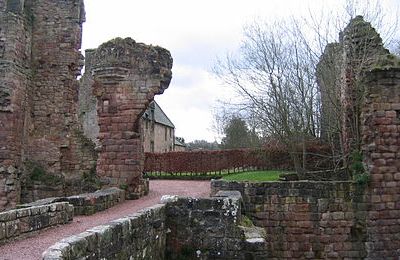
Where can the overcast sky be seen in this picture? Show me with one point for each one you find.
(195, 32)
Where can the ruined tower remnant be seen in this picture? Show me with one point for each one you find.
(339, 74)
(381, 146)
(126, 75)
(42, 150)
(369, 86)
(362, 46)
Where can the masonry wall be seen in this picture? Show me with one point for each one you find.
(21, 222)
(15, 74)
(126, 75)
(88, 101)
(55, 139)
(183, 228)
(307, 220)
(139, 236)
(40, 135)
(381, 146)
(87, 203)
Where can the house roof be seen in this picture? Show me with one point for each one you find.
(159, 116)
(179, 143)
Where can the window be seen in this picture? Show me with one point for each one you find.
(152, 146)
(166, 133)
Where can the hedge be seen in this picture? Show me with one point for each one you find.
(275, 158)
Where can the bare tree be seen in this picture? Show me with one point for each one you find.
(274, 75)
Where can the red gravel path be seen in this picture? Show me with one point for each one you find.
(32, 248)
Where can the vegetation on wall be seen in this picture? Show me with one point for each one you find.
(37, 173)
(360, 175)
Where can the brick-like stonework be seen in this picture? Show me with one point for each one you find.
(21, 222)
(381, 150)
(183, 228)
(339, 74)
(88, 203)
(40, 60)
(305, 219)
(126, 77)
(138, 236)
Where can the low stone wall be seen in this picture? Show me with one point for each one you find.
(183, 228)
(306, 220)
(139, 236)
(87, 203)
(20, 222)
(210, 229)
(326, 175)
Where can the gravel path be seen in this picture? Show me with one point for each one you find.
(32, 248)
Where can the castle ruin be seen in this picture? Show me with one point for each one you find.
(43, 149)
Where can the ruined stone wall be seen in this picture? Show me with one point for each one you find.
(381, 150)
(19, 223)
(15, 74)
(55, 139)
(88, 101)
(339, 74)
(362, 46)
(40, 60)
(87, 203)
(126, 75)
(183, 228)
(306, 220)
(328, 77)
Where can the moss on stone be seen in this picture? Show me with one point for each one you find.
(36, 172)
(246, 222)
(386, 61)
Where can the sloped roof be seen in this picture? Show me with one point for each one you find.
(159, 116)
(179, 143)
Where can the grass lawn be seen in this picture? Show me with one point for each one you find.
(256, 176)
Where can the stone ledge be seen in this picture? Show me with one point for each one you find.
(138, 236)
(182, 228)
(20, 222)
(87, 203)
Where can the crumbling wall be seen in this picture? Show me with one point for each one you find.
(19, 223)
(328, 77)
(306, 219)
(381, 150)
(362, 46)
(88, 101)
(369, 92)
(339, 73)
(183, 228)
(41, 140)
(126, 77)
(55, 139)
(15, 74)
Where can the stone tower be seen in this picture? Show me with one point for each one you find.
(124, 76)
(43, 151)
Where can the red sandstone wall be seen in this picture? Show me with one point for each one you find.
(14, 79)
(306, 220)
(127, 75)
(40, 59)
(381, 149)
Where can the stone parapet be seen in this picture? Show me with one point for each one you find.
(21, 222)
(182, 228)
(88, 203)
(306, 219)
(138, 236)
